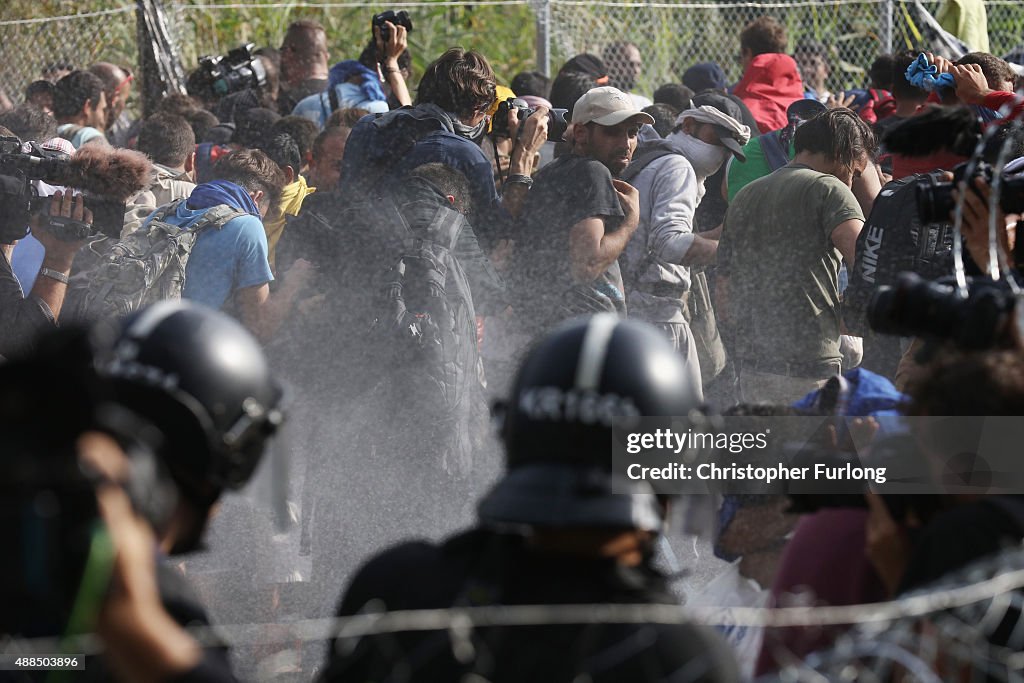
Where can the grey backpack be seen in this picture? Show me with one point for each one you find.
(146, 266)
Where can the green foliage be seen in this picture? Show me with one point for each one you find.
(488, 29)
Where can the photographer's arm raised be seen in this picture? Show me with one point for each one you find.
(528, 143)
(391, 50)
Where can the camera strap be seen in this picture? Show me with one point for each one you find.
(332, 95)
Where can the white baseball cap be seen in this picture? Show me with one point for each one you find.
(607, 106)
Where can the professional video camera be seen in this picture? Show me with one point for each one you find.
(935, 196)
(218, 76)
(107, 178)
(557, 122)
(916, 307)
(396, 18)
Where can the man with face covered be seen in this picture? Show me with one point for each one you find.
(578, 217)
(669, 174)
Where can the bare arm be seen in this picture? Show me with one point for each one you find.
(392, 50)
(867, 187)
(527, 144)
(262, 312)
(591, 248)
(844, 237)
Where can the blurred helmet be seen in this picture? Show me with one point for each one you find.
(557, 428)
(201, 380)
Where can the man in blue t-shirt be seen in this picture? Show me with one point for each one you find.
(228, 267)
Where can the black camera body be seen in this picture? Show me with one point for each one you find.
(19, 198)
(238, 70)
(557, 119)
(916, 307)
(396, 18)
(935, 196)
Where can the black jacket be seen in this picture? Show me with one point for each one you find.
(483, 568)
(21, 318)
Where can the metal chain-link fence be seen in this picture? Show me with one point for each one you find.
(676, 34)
(671, 34)
(35, 40)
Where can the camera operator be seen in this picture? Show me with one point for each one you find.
(255, 96)
(22, 317)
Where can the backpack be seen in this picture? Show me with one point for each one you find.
(893, 240)
(415, 319)
(146, 266)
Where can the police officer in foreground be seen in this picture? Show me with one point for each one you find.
(165, 411)
(551, 532)
(199, 382)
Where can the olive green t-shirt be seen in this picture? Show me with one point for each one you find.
(783, 269)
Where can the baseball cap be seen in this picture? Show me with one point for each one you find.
(704, 76)
(607, 106)
(726, 117)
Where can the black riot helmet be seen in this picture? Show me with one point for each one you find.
(557, 427)
(201, 380)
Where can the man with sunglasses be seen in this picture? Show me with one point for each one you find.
(117, 86)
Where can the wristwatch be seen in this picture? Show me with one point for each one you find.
(54, 275)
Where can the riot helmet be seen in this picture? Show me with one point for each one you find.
(557, 426)
(202, 381)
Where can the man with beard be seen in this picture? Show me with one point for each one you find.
(625, 64)
(669, 174)
(579, 217)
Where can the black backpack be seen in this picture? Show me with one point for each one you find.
(893, 240)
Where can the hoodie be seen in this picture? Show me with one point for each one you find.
(769, 85)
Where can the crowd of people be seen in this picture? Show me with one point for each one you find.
(418, 264)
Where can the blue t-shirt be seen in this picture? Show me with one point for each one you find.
(317, 108)
(27, 260)
(225, 260)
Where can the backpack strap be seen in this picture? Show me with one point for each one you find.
(774, 153)
(646, 156)
(217, 216)
(332, 94)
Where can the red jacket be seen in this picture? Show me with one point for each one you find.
(769, 85)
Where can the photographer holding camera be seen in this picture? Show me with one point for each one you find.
(447, 119)
(359, 83)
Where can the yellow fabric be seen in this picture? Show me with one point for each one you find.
(290, 205)
(967, 20)
(501, 93)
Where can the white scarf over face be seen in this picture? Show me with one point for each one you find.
(706, 158)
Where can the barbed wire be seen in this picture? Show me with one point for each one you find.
(921, 604)
(69, 17)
